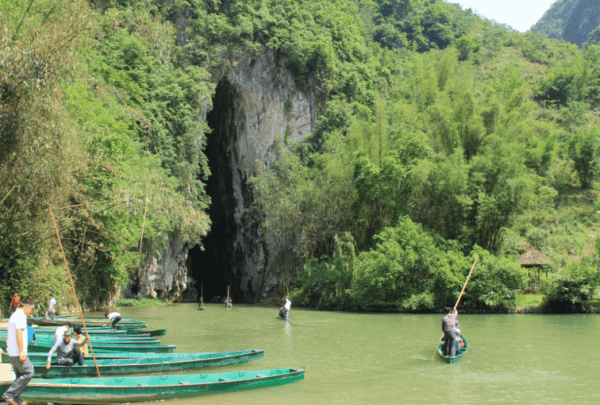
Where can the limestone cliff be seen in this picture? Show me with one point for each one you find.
(256, 99)
(571, 20)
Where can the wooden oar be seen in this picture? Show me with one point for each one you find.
(457, 301)
(87, 335)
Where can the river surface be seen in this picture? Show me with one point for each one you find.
(386, 358)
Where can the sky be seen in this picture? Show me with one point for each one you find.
(519, 14)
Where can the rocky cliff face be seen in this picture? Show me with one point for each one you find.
(256, 99)
(571, 20)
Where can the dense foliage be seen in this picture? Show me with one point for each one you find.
(442, 136)
(573, 290)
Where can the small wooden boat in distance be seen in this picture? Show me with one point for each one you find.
(453, 359)
(150, 388)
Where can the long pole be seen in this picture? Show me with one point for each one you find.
(74, 293)
(459, 297)
(201, 295)
(144, 221)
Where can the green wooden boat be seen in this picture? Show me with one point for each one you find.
(107, 331)
(140, 365)
(150, 388)
(58, 322)
(37, 357)
(77, 318)
(124, 339)
(453, 359)
(102, 347)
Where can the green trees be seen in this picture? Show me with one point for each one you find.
(436, 125)
(74, 124)
(573, 290)
(584, 152)
(401, 267)
(37, 55)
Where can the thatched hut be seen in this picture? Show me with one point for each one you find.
(534, 259)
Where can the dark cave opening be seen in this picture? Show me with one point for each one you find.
(212, 269)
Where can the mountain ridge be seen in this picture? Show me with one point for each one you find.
(574, 21)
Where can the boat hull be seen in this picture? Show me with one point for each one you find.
(153, 388)
(58, 322)
(42, 356)
(101, 347)
(131, 366)
(106, 331)
(453, 359)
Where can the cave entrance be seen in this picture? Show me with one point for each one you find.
(212, 268)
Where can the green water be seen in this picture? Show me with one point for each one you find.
(386, 358)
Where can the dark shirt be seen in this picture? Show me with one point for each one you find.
(450, 323)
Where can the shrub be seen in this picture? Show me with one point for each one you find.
(495, 284)
(573, 290)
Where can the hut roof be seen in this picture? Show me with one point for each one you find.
(533, 258)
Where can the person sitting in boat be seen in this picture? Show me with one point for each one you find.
(450, 329)
(113, 317)
(60, 332)
(68, 355)
(80, 338)
(31, 339)
(459, 344)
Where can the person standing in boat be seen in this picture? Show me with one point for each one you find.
(113, 317)
(16, 347)
(284, 312)
(51, 312)
(451, 331)
(15, 300)
(80, 338)
(67, 354)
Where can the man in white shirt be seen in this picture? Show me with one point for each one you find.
(16, 347)
(113, 317)
(284, 311)
(288, 307)
(60, 332)
(51, 312)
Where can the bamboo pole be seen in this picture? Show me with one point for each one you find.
(457, 301)
(74, 293)
(201, 295)
(11, 190)
(143, 222)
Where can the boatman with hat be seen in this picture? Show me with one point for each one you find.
(451, 331)
(16, 346)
